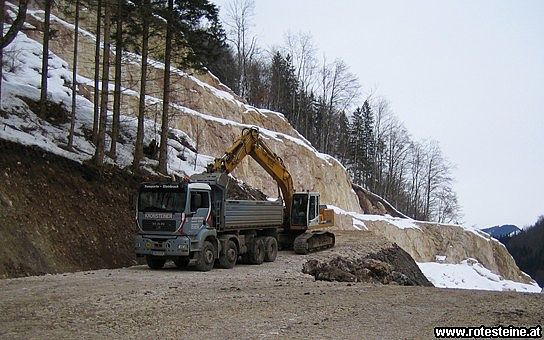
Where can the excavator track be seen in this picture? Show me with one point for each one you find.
(310, 242)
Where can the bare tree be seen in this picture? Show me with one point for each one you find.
(436, 175)
(238, 21)
(74, 78)
(339, 87)
(448, 209)
(302, 50)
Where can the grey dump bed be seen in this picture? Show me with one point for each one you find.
(251, 214)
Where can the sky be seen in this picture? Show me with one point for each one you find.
(469, 74)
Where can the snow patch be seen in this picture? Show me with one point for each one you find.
(470, 274)
(359, 219)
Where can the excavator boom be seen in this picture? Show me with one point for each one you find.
(304, 208)
(249, 143)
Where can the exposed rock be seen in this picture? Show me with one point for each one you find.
(373, 204)
(389, 265)
(5, 201)
(217, 121)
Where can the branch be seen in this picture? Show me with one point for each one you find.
(16, 25)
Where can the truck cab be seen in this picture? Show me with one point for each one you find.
(172, 220)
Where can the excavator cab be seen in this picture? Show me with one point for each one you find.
(305, 210)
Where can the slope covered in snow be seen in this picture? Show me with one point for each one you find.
(469, 274)
(20, 124)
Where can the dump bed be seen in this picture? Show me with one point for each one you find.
(241, 214)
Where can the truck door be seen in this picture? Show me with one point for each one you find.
(199, 208)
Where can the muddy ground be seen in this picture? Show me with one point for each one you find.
(273, 300)
(57, 215)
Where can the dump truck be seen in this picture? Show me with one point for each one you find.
(194, 222)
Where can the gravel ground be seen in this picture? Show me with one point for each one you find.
(273, 300)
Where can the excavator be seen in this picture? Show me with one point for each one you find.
(304, 218)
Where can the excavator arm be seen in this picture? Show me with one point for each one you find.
(249, 143)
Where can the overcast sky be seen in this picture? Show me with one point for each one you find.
(469, 74)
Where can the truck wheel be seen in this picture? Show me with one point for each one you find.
(228, 259)
(182, 262)
(256, 251)
(155, 262)
(270, 249)
(205, 257)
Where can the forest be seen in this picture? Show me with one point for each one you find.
(319, 95)
(526, 248)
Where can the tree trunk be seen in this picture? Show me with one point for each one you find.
(15, 26)
(2, 3)
(97, 72)
(117, 91)
(138, 147)
(99, 154)
(163, 150)
(74, 80)
(45, 58)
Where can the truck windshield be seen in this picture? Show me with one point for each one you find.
(162, 200)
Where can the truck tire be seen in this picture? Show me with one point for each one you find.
(228, 258)
(155, 262)
(182, 262)
(270, 249)
(256, 251)
(205, 258)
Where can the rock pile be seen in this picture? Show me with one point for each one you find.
(388, 266)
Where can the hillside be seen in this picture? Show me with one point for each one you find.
(500, 231)
(207, 117)
(527, 248)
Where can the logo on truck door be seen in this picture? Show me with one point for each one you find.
(196, 222)
(158, 215)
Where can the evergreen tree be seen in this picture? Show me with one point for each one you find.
(355, 152)
(368, 149)
(45, 57)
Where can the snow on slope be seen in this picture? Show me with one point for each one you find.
(21, 125)
(359, 219)
(470, 274)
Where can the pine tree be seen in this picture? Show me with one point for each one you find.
(96, 98)
(368, 148)
(356, 151)
(45, 57)
(101, 138)
(115, 126)
(145, 16)
(74, 78)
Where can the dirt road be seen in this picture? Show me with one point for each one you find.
(273, 300)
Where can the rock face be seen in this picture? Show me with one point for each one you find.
(214, 117)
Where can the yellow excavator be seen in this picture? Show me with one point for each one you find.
(304, 218)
